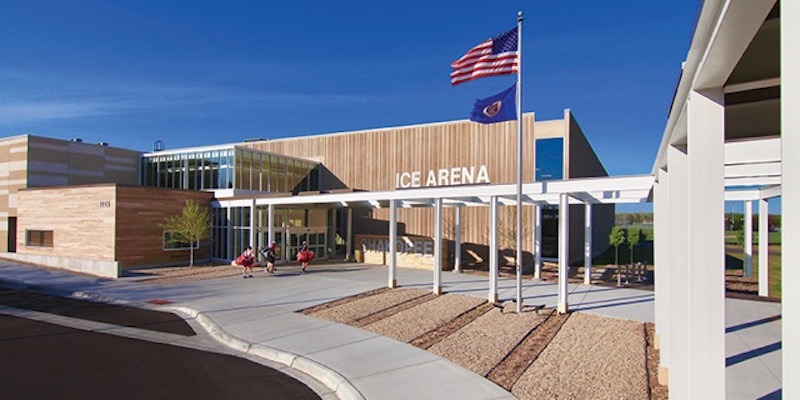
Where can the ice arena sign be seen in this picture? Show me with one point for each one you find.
(442, 177)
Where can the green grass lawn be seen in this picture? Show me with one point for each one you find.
(731, 237)
(735, 261)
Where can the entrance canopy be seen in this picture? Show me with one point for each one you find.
(604, 190)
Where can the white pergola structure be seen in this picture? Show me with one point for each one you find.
(733, 134)
(605, 190)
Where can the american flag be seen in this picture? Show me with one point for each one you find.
(495, 56)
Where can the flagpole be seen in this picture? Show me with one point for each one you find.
(519, 163)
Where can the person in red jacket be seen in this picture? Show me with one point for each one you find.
(304, 255)
(246, 261)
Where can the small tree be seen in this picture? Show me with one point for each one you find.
(507, 230)
(192, 225)
(634, 235)
(616, 238)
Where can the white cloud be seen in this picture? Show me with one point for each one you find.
(47, 110)
(75, 100)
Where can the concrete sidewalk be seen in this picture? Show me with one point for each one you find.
(257, 316)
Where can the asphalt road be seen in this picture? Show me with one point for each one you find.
(115, 314)
(40, 360)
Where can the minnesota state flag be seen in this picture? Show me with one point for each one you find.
(498, 108)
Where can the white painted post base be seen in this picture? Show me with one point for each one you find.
(393, 284)
(563, 308)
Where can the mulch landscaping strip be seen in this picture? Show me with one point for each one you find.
(343, 300)
(377, 316)
(435, 336)
(509, 370)
(657, 392)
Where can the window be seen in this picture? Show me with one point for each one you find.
(38, 238)
(171, 241)
(549, 159)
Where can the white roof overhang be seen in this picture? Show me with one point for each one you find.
(604, 190)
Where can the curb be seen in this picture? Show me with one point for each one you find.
(328, 377)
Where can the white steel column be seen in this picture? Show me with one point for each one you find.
(437, 247)
(537, 241)
(706, 244)
(748, 238)
(763, 247)
(790, 190)
(587, 245)
(349, 241)
(457, 241)
(677, 245)
(392, 244)
(230, 235)
(285, 231)
(271, 224)
(662, 270)
(493, 250)
(253, 225)
(563, 252)
(332, 237)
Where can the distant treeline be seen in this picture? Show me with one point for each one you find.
(733, 221)
(635, 218)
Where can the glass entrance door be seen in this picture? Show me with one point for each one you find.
(315, 237)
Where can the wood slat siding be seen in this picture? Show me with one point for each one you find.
(369, 160)
(140, 212)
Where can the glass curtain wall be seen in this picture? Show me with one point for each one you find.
(272, 173)
(192, 170)
(219, 233)
(234, 167)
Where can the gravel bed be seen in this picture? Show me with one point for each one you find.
(657, 392)
(407, 325)
(435, 336)
(482, 344)
(508, 371)
(591, 357)
(354, 310)
(344, 300)
(385, 313)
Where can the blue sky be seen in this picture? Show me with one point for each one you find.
(196, 73)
